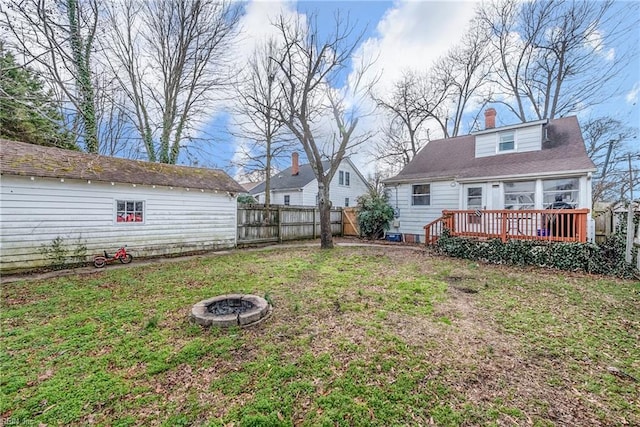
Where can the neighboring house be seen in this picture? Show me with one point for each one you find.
(104, 202)
(298, 185)
(525, 166)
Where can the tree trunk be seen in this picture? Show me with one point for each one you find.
(324, 205)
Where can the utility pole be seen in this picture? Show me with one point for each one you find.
(630, 229)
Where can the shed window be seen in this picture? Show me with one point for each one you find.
(421, 195)
(287, 200)
(129, 211)
(507, 141)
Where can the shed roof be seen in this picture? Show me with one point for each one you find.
(19, 158)
(455, 157)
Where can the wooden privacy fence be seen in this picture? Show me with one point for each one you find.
(564, 225)
(257, 224)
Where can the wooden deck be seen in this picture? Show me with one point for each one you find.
(560, 225)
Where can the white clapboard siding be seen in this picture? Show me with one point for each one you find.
(356, 188)
(527, 138)
(34, 212)
(413, 218)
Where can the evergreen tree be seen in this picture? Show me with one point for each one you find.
(27, 111)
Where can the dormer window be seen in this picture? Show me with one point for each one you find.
(507, 141)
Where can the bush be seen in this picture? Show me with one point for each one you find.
(246, 199)
(606, 258)
(374, 215)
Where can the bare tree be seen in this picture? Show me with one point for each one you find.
(169, 57)
(461, 73)
(259, 96)
(58, 37)
(310, 69)
(553, 57)
(608, 142)
(408, 107)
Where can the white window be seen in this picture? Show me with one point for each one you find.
(474, 197)
(346, 202)
(129, 211)
(560, 193)
(520, 195)
(344, 178)
(421, 194)
(507, 141)
(287, 200)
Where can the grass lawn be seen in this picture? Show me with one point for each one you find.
(358, 336)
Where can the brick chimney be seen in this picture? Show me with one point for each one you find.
(490, 118)
(295, 168)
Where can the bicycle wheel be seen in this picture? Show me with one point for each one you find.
(99, 261)
(126, 259)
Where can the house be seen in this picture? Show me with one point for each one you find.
(297, 185)
(534, 165)
(101, 203)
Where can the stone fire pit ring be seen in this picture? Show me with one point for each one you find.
(230, 310)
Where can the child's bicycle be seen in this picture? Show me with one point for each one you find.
(101, 260)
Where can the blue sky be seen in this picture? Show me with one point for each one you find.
(411, 34)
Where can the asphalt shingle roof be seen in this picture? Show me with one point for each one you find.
(285, 181)
(19, 158)
(455, 157)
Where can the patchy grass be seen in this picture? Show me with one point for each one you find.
(358, 336)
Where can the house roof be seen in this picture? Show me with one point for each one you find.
(285, 181)
(19, 158)
(454, 158)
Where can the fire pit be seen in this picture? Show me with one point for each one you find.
(230, 310)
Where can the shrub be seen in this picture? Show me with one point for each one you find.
(246, 199)
(606, 258)
(374, 215)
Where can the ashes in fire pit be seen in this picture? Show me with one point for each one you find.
(230, 310)
(230, 306)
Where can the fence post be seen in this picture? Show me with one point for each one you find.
(279, 224)
(314, 223)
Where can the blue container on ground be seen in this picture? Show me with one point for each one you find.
(394, 237)
(543, 232)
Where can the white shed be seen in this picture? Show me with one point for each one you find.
(100, 203)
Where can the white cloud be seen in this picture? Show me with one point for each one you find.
(633, 94)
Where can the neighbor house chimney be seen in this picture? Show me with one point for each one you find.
(490, 118)
(295, 168)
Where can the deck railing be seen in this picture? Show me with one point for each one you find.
(563, 225)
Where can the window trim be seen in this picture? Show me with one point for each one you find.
(414, 195)
(287, 200)
(346, 202)
(128, 213)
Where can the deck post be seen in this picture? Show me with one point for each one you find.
(504, 229)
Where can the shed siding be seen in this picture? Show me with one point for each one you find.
(413, 218)
(33, 213)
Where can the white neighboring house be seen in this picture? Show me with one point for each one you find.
(106, 202)
(298, 186)
(525, 166)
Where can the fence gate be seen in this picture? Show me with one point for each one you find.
(350, 222)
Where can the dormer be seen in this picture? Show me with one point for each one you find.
(517, 138)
